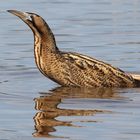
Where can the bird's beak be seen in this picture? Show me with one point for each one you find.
(22, 15)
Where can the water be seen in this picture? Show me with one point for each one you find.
(33, 107)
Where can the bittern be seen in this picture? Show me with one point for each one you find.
(70, 68)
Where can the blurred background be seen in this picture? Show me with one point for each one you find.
(108, 30)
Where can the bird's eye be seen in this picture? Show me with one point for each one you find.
(33, 19)
(27, 16)
(30, 18)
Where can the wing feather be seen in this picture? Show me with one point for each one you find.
(95, 72)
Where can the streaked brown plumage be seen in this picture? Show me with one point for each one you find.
(68, 68)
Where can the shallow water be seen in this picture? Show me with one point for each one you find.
(33, 107)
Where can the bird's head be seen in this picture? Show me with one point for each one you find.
(39, 27)
(34, 21)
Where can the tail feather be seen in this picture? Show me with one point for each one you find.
(137, 79)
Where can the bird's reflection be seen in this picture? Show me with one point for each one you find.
(47, 104)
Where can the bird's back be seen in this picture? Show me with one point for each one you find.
(89, 72)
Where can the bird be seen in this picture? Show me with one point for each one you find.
(71, 68)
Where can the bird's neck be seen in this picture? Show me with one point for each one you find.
(44, 47)
(44, 38)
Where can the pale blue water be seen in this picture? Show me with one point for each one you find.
(33, 107)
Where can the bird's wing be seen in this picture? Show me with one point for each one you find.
(97, 71)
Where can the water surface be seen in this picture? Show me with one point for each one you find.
(33, 107)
